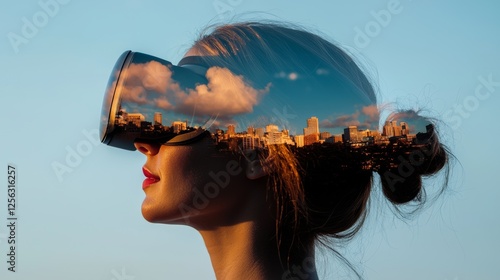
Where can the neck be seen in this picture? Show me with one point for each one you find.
(241, 251)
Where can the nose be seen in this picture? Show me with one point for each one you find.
(147, 149)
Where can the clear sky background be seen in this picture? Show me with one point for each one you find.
(86, 223)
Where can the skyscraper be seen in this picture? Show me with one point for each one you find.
(388, 131)
(312, 126)
(179, 126)
(274, 137)
(404, 128)
(231, 129)
(157, 118)
(251, 130)
(135, 118)
(299, 140)
(259, 131)
(351, 134)
(324, 135)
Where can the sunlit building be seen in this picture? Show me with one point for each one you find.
(405, 129)
(311, 132)
(324, 135)
(351, 134)
(259, 132)
(250, 142)
(311, 139)
(231, 130)
(179, 126)
(274, 137)
(135, 118)
(299, 140)
(251, 130)
(393, 129)
(157, 118)
(313, 125)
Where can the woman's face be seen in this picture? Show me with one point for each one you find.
(186, 184)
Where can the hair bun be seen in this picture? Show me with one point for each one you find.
(400, 189)
(403, 165)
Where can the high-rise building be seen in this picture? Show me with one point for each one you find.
(311, 139)
(387, 130)
(259, 131)
(312, 126)
(351, 134)
(179, 126)
(324, 135)
(157, 118)
(405, 129)
(231, 130)
(251, 130)
(299, 140)
(397, 130)
(271, 128)
(135, 118)
(274, 137)
(250, 142)
(337, 138)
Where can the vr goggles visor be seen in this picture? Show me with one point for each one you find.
(149, 99)
(140, 101)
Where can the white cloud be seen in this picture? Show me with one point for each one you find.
(225, 95)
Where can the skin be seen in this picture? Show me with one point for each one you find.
(237, 225)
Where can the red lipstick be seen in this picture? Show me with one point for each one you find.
(150, 178)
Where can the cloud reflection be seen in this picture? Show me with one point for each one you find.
(225, 94)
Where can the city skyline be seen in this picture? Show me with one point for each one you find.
(259, 137)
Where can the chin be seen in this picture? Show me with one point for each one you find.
(163, 216)
(152, 214)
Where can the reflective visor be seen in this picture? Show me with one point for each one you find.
(139, 102)
(151, 100)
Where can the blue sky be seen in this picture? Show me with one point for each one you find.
(84, 221)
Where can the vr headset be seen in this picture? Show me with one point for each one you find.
(140, 90)
(149, 99)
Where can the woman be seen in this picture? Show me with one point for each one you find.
(280, 149)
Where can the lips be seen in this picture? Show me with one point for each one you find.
(150, 178)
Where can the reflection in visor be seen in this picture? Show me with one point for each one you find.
(139, 102)
(151, 100)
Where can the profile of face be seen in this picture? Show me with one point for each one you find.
(193, 184)
(175, 181)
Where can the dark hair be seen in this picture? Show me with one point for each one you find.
(321, 190)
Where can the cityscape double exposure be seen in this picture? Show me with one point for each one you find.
(160, 102)
(395, 137)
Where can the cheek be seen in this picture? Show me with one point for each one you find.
(164, 202)
(176, 196)
(194, 181)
